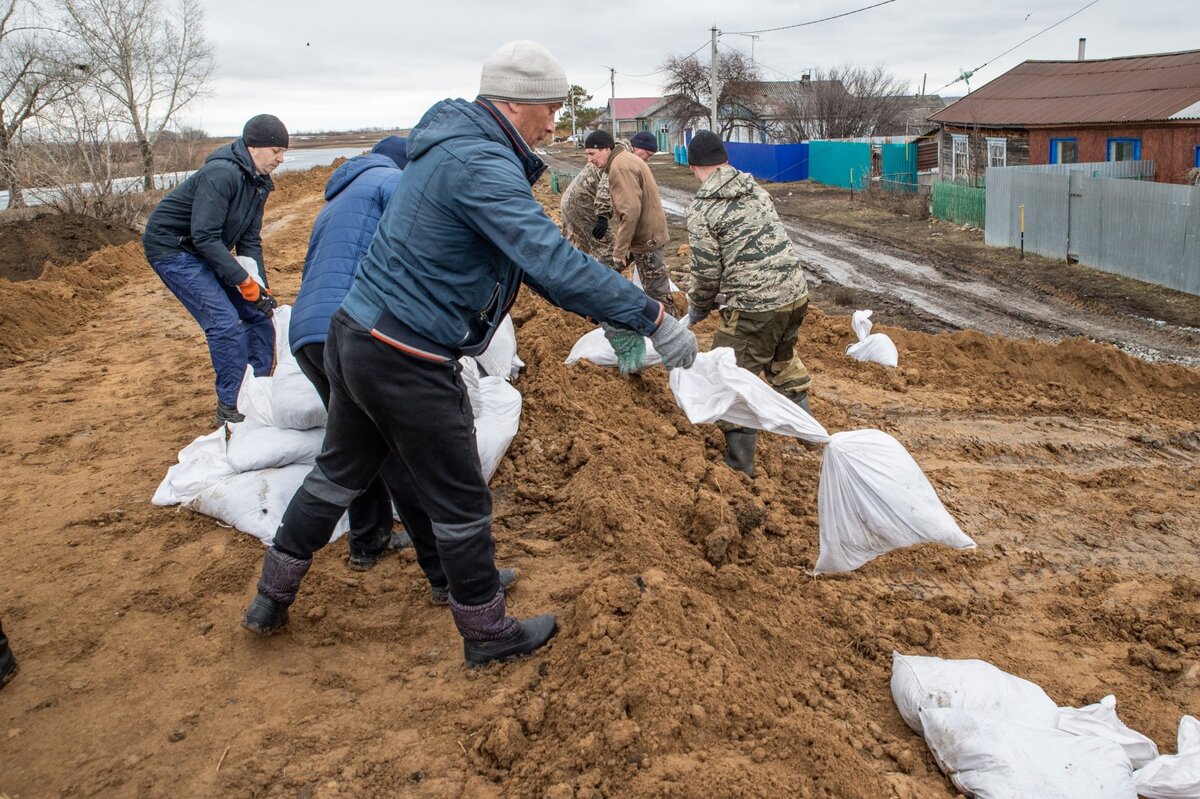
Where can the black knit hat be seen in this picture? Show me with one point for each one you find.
(599, 140)
(707, 149)
(644, 140)
(265, 130)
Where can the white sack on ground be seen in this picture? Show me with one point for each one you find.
(287, 398)
(922, 683)
(500, 358)
(873, 498)
(201, 463)
(636, 279)
(996, 758)
(716, 388)
(253, 445)
(1174, 776)
(873, 347)
(254, 502)
(594, 347)
(1100, 720)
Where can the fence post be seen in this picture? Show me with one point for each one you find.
(1022, 207)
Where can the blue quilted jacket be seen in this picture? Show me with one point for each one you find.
(356, 195)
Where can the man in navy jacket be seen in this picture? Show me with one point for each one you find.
(188, 241)
(461, 235)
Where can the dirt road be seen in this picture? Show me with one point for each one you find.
(697, 656)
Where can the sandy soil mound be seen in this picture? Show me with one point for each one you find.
(696, 655)
(27, 244)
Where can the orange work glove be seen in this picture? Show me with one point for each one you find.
(261, 297)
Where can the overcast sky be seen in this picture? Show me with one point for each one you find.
(321, 65)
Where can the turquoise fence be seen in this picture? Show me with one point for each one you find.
(839, 163)
(965, 205)
(899, 167)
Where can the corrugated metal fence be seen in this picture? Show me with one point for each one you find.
(776, 162)
(1131, 227)
(839, 163)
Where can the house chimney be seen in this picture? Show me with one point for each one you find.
(1082, 47)
(805, 78)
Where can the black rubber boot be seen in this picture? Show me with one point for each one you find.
(801, 399)
(441, 596)
(281, 576)
(8, 663)
(490, 635)
(740, 446)
(228, 413)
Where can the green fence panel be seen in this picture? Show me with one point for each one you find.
(839, 163)
(899, 167)
(560, 179)
(962, 204)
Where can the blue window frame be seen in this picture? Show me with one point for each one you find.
(1198, 156)
(1064, 151)
(1124, 149)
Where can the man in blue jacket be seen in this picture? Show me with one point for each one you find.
(188, 242)
(460, 236)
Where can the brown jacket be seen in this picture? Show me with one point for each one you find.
(641, 225)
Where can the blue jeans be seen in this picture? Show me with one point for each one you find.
(236, 331)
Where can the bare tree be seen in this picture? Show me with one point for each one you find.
(34, 73)
(842, 102)
(148, 59)
(689, 87)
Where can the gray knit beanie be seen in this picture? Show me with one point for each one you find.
(523, 72)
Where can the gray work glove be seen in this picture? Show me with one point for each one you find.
(675, 343)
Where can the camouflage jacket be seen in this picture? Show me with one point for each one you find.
(739, 247)
(586, 198)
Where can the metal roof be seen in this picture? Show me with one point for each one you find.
(1145, 88)
(631, 107)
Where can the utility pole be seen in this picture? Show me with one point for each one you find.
(712, 81)
(573, 129)
(612, 85)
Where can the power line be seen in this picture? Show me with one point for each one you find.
(970, 72)
(813, 22)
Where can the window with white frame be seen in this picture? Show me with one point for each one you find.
(997, 152)
(960, 156)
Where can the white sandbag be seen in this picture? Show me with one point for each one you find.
(287, 398)
(873, 498)
(253, 446)
(716, 388)
(201, 463)
(873, 347)
(500, 358)
(254, 502)
(252, 269)
(636, 279)
(996, 758)
(594, 347)
(1174, 776)
(1100, 720)
(497, 408)
(921, 683)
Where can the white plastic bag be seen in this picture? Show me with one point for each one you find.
(716, 388)
(1100, 720)
(254, 502)
(286, 398)
(594, 347)
(500, 358)
(921, 683)
(253, 446)
(996, 758)
(873, 498)
(874, 347)
(251, 267)
(1174, 776)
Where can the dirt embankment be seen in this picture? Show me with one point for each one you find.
(696, 655)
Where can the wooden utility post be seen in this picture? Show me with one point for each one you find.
(612, 85)
(712, 81)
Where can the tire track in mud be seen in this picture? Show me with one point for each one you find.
(965, 300)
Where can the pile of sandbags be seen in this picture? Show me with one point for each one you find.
(245, 474)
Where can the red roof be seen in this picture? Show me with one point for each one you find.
(632, 107)
(1143, 88)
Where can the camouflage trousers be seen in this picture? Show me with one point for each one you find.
(764, 342)
(652, 269)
